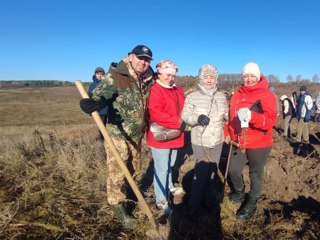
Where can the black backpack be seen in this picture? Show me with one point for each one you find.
(294, 114)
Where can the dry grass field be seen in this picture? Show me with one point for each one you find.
(52, 180)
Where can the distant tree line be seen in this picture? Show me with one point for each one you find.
(225, 81)
(34, 84)
(299, 78)
(228, 82)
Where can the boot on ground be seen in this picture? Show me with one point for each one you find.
(237, 196)
(127, 221)
(248, 210)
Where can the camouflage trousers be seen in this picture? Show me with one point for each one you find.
(117, 186)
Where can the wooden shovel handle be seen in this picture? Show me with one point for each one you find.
(232, 143)
(144, 206)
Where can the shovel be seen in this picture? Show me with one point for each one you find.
(232, 143)
(142, 203)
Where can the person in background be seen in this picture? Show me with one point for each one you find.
(317, 114)
(287, 112)
(227, 96)
(294, 98)
(252, 116)
(303, 110)
(165, 104)
(277, 107)
(124, 89)
(206, 110)
(96, 78)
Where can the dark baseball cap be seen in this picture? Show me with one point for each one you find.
(99, 69)
(303, 88)
(142, 51)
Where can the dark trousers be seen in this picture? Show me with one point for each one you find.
(256, 159)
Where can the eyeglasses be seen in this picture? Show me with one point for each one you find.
(143, 58)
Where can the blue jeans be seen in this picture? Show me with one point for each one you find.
(164, 160)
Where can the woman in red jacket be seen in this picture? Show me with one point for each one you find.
(252, 115)
(165, 105)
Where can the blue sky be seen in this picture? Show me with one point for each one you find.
(67, 39)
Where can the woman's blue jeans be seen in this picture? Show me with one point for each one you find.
(164, 160)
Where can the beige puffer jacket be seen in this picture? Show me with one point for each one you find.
(211, 103)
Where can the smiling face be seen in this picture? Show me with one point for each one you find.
(167, 79)
(209, 81)
(208, 76)
(99, 75)
(139, 64)
(251, 74)
(166, 72)
(250, 79)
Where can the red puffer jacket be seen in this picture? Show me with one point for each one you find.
(165, 106)
(262, 104)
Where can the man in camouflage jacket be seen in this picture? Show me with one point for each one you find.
(124, 89)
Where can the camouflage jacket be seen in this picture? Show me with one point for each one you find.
(127, 94)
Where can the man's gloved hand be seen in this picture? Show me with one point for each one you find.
(203, 120)
(244, 115)
(89, 105)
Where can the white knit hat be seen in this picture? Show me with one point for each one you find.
(283, 97)
(251, 68)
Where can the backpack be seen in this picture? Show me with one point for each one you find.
(293, 110)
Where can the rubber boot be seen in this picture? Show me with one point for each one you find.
(248, 210)
(164, 215)
(237, 196)
(127, 221)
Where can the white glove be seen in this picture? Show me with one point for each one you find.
(244, 115)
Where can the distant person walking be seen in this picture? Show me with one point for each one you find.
(294, 98)
(96, 78)
(317, 114)
(287, 113)
(206, 110)
(252, 117)
(277, 101)
(303, 109)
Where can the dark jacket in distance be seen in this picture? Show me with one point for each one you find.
(92, 86)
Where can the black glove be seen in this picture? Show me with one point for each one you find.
(203, 120)
(89, 105)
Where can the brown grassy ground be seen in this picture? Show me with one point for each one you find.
(52, 180)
